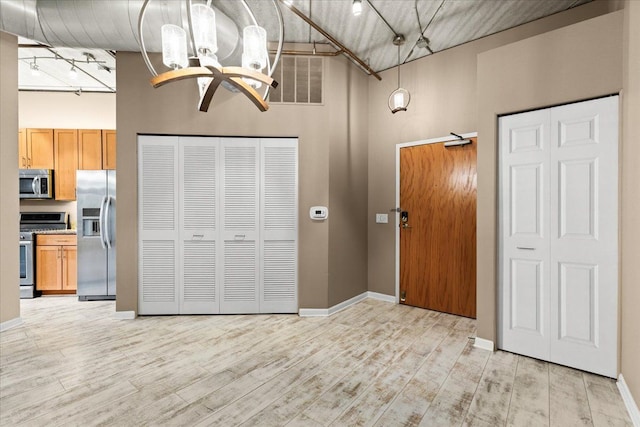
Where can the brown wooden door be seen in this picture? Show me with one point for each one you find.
(438, 238)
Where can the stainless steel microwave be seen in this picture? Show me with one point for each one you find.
(36, 183)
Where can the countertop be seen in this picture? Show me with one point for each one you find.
(68, 231)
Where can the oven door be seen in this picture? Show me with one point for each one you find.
(26, 263)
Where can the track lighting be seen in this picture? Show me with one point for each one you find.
(356, 7)
(73, 73)
(35, 70)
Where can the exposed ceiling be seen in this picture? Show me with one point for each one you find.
(445, 23)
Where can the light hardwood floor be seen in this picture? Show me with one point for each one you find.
(374, 363)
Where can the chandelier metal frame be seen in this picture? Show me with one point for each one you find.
(234, 76)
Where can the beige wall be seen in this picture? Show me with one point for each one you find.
(348, 191)
(444, 92)
(630, 225)
(172, 109)
(9, 271)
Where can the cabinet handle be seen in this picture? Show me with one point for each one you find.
(59, 251)
(24, 162)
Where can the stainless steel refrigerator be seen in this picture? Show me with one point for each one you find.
(96, 227)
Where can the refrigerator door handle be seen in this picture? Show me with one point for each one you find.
(101, 222)
(107, 234)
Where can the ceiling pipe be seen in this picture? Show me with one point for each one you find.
(348, 53)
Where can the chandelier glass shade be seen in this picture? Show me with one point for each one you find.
(190, 51)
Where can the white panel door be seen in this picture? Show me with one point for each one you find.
(279, 230)
(240, 225)
(584, 235)
(158, 229)
(199, 225)
(558, 218)
(524, 191)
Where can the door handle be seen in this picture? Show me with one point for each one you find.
(525, 248)
(107, 234)
(101, 222)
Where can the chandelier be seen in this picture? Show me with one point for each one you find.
(190, 48)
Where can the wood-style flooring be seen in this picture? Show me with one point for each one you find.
(375, 363)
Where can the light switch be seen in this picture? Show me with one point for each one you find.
(382, 218)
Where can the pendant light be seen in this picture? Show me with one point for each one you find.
(189, 51)
(356, 7)
(399, 98)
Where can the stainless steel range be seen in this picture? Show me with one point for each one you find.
(31, 222)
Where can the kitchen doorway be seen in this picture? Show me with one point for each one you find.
(436, 235)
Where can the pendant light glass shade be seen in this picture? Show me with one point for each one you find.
(399, 100)
(254, 54)
(174, 47)
(203, 19)
(356, 7)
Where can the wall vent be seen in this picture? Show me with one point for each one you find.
(300, 81)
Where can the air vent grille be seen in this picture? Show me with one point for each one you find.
(300, 81)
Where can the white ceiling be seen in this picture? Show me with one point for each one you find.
(446, 23)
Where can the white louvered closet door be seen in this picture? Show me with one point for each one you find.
(279, 225)
(199, 220)
(240, 225)
(158, 230)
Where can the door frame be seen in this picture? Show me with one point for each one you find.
(397, 205)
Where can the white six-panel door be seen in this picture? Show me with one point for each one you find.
(218, 225)
(559, 225)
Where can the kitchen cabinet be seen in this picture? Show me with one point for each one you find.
(22, 149)
(56, 263)
(35, 149)
(108, 149)
(89, 149)
(65, 143)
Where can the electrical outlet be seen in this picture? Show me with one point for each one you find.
(382, 218)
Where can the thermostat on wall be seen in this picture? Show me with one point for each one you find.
(319, 213)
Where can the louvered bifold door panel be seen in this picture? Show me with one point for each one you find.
(239, 221)
(199, 214)
(158, 225)
(279, 227)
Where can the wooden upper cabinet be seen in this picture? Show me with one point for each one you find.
(23, 156)
(39, 148)
(108, 149)
(65, 142)
(89, 149)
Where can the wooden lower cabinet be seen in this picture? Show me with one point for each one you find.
(56, 263)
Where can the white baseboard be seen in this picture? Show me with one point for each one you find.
(381, 297)
(632, 408)
(344, 304)
(483, 344)
(124, 315)
(10, 324)
(323, 312)
(313, 312)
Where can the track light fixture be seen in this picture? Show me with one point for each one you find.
(35, 70)
(73, 73)
(356, 7)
